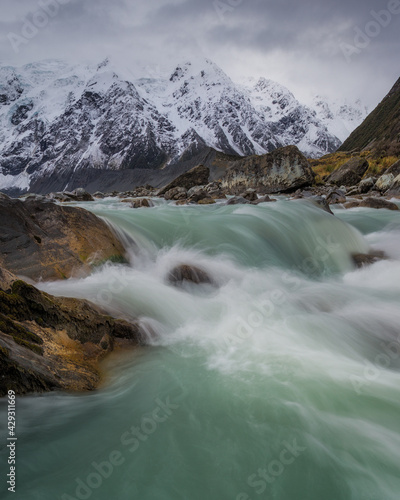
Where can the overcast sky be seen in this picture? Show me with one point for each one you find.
(307, 45)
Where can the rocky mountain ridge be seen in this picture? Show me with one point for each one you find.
(62, 126)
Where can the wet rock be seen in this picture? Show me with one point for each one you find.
(350, 173)
(49, 343)
(378, 203)
(263, 199)
(335, 197)
(237, 200)
(352, 204)
(99, 195)
(250, 194)
(177, 193)
(48, 241)
(362, 260)
(197, 176)
(186, 273)
(206, 201)
(320, 202)
(142, 203)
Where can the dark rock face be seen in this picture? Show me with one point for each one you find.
(51, 343)
(191, 274)
(283, 170)
(42, 240)
(197, 176)
(350, 173)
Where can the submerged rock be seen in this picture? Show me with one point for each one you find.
(363, 260)
(191, 274)
(49, 343)
(320, 202)
(43, 240)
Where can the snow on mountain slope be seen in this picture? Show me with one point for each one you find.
(57, 119)
(341, 118)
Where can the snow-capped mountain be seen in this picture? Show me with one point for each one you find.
(58, 121)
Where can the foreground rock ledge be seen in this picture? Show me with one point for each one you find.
(43, 240)
(49, 343)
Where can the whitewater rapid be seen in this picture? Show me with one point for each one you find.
(280, 381)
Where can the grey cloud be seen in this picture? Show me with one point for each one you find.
(297, 43)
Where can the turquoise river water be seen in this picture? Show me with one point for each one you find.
(280, 383)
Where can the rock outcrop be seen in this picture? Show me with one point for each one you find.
(49, 343)
(43, 240)
(284, 170)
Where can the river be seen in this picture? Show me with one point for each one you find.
(278, 382)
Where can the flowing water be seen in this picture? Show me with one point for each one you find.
(280, 382)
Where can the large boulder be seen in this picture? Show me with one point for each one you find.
(384, 182)
(43, 240)
(197, 176)
(350, 173)
(49, 343)
(283, 170)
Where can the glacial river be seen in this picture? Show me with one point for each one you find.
(279, 382)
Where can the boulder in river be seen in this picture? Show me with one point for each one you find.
(191, 274)
(49, 343)
(362, 260)
(377, 203)
(43, 240)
